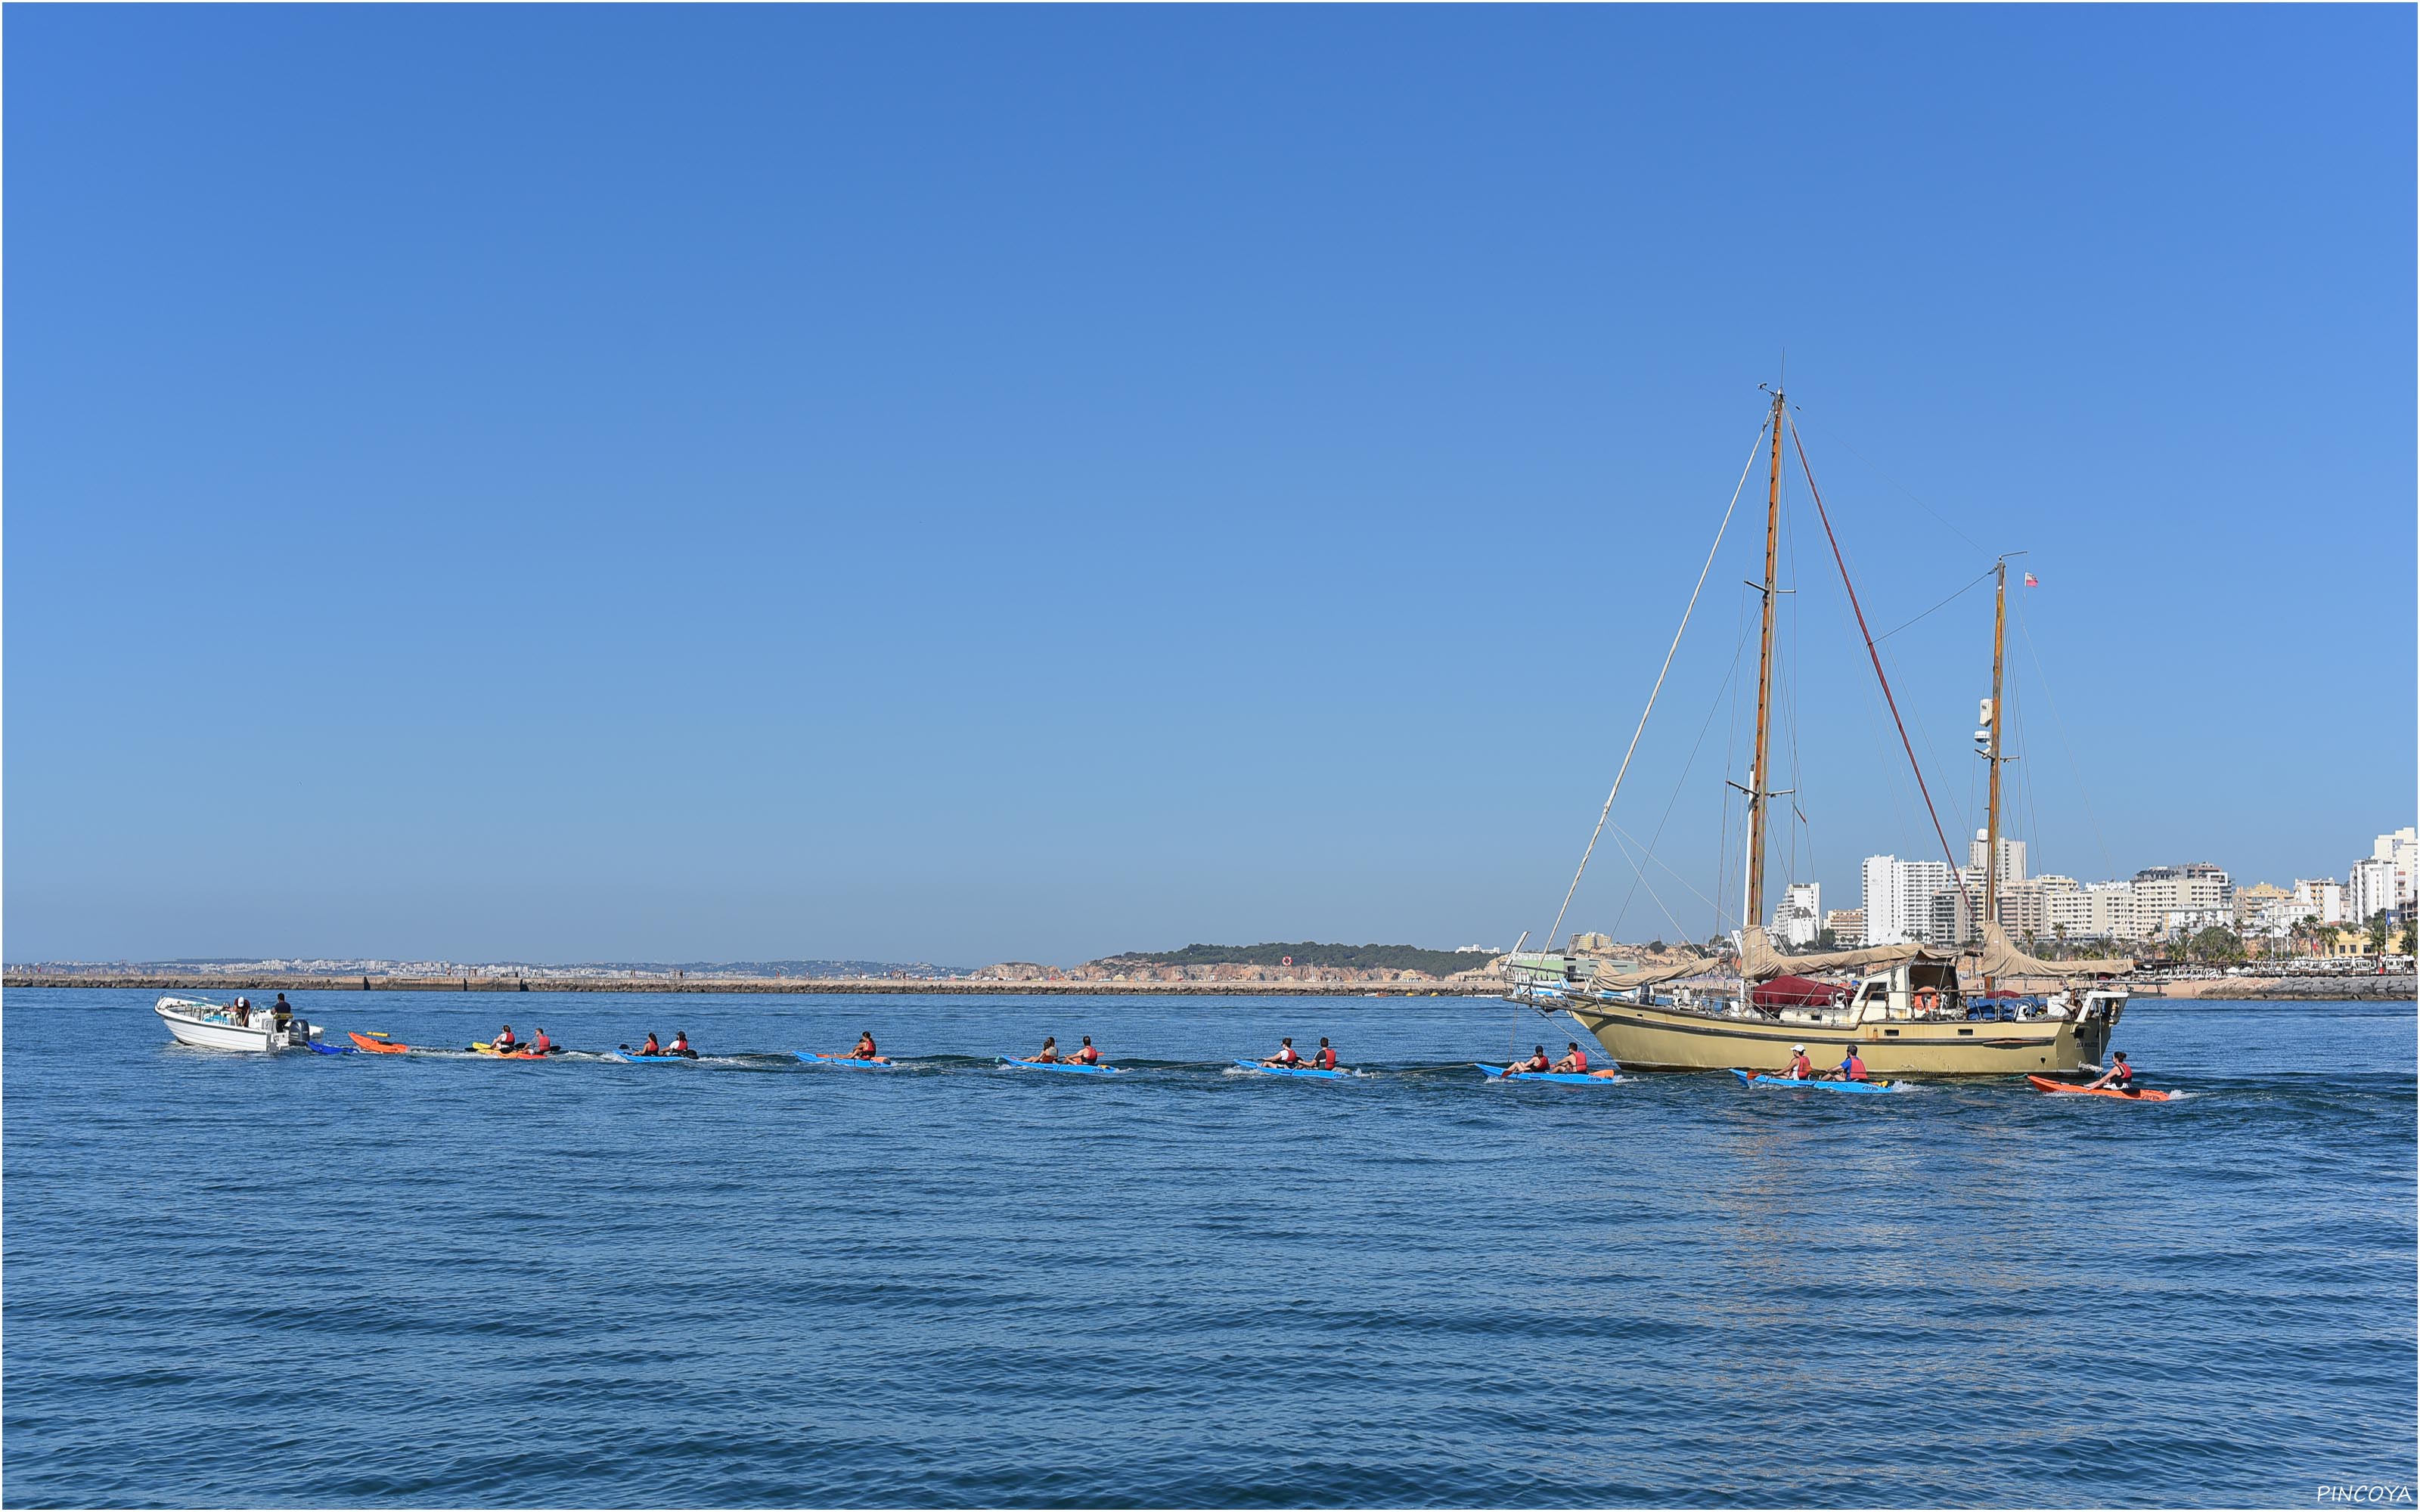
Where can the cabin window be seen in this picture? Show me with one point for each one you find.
(1961, 1031)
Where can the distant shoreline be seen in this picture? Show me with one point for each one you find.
(896, 986)
(2346, 989)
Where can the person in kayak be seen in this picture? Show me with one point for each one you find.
(680, 1046)
(1326, 1058)
(1051, 1056)
(865, 1049)
(1537, 1062)
(1574, 1061)
(504, 1043)
(1287, 1055)
(651, 1048)
(2120, 1076)
(541, 1045)
(1801, 1068)
(1850, 1069)
(1087, 1056)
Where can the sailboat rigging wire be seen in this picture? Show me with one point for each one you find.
(1626, 837)
(1945, 602)
(1824, 514)
(1687, 767)
(1557, 932)
(1623, 841)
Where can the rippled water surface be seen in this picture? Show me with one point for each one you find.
(375, 1279)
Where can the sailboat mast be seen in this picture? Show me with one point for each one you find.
(1991, 811)
(1758, 784)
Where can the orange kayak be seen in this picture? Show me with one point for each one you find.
(383, 1047)
(2144, 1095)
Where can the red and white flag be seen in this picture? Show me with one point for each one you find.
(2032, 582)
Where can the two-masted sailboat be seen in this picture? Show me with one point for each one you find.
(1912, 1008)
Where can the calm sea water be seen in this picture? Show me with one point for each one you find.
(306, 1279)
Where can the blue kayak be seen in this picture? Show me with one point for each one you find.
(633, 1057)
(817, 1057)
(331, 1049)
(1827, 1086)
(1585, 1078)
(1292, 1071)
(1058, 1065)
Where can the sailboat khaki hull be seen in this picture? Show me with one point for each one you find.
(1649, 1039)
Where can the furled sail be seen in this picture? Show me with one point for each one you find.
(1760, 962)
(1999, 957)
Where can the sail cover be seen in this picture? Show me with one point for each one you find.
(1999, 957)
(1622, 981)
(1760, 962)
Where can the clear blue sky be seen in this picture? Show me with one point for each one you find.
(971, 483)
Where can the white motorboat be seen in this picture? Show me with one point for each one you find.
(230, 1026)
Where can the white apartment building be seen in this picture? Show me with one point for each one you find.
(2025, 907)
(1848, 927)
(1799, 917)
(1899, 897)
(2096, 911)
(2012, 857)
(2376, 887)
(2196, 889)
(2319, 898)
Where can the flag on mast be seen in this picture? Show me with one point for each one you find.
(2032, 582)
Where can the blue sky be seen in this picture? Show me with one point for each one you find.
(975, 484)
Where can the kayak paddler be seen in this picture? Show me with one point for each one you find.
(866, 1050)
(504, 1043)
(1537, 1062)
(1801, 1068)
(1850, 1069)
(542, 1045)
(1049, 1056)
(1325, 1058)
(2120, 1076)
(1088, 1055)
(651, 1048)
(680, 1046)
(1287, 1055)
(1574, 1061)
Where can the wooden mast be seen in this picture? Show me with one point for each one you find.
(1758, 785)
(1992, 757)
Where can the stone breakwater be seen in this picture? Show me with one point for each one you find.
(904, 986)
(2346, 989)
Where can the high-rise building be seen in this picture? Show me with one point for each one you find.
(2376, 887)
(2319, 898)
(1898, 898)
(2012, 869)
(2025, 907)
(2168, 897)
(1799, 917)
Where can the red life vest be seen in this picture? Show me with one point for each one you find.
(505, 1040)
(1579, 1061)
(2123, 1074)
(1286, 1056)
(680, 1044)
(541, 1044)
(866, 1050)
(1088, 1055)
(1856, 1067)
(1539, 1061)
(1800, 1068)
(651, 1048)
(1327, 1058)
